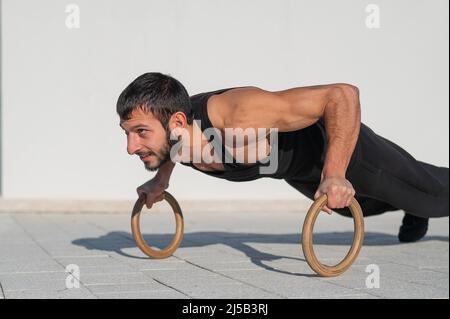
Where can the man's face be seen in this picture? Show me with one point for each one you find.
(147, 138)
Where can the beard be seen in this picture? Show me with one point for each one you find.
(163, 155)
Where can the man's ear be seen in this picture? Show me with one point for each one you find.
(178, 120)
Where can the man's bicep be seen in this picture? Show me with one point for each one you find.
(307, 103)
(287, 110)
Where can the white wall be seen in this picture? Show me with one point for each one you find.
(60, 132)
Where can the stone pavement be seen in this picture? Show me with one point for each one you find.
(226, 253)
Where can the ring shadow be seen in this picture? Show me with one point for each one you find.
(116, 241)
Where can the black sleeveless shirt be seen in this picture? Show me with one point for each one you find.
(298, 151)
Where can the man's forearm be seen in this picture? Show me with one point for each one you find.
(342, 116)
(164, 171)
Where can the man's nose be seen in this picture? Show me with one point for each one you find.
(132, 144)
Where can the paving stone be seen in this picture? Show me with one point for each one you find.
(223, 255)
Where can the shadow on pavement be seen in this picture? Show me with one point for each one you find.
(117, 241)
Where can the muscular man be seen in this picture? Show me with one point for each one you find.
(322, 147)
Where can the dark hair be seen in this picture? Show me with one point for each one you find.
(154, 92)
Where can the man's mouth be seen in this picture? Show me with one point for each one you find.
(145, 156)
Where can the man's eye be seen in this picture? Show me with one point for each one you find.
(141, 131)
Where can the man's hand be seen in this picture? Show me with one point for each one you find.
(153, 190)
(339, 192)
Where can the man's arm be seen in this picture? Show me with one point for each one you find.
(297, 108)
(164, 172)
(342, 117)
(154, 188)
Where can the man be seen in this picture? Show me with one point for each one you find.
(321, 148)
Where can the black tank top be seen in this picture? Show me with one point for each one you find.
(298, 151)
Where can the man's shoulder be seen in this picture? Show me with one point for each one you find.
(221, 91)
(222, 105)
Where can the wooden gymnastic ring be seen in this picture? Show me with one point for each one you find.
(307, 239)
(136, 230)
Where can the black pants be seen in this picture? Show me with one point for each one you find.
(386, 178)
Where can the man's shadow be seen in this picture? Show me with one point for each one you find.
(117, 241)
